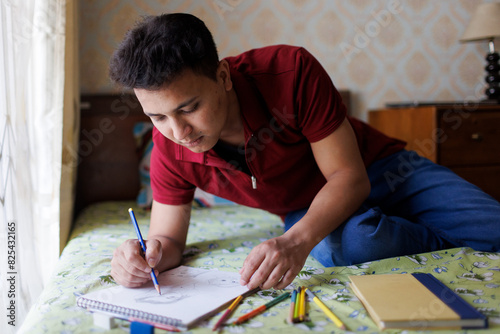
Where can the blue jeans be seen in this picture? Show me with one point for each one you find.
(415, 206)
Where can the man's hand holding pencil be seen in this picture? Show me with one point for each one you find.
(131, 266)
(143, 247)
(166, 239)
(134, 261)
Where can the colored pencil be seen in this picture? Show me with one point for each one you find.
(297, 306)
(302, 307)
(261, 308)
(143, 245)
(292, 307)
(228, 312)
(325, 309)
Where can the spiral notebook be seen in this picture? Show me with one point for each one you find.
(188, 296)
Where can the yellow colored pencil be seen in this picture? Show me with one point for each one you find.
(326, 310)
(302, 307)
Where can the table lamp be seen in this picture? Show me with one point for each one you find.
(485, 26)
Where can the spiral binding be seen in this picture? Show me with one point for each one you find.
(127, 312)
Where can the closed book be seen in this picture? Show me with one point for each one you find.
(414, 301)
(188, 296)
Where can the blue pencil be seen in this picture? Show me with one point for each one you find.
(143, 245)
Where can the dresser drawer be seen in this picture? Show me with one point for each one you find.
(469, 138)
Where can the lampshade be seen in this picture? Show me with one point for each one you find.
(485, 23)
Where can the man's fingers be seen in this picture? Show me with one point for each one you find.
(128, 267)
(259, 264)
(136, 269)
(259, 277)
(273, 277)
(285, 280)
(272, 264)
(131, 257)
(127, 279)
(153, 252)
(250, 265)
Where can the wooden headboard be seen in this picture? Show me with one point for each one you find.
(108, 160)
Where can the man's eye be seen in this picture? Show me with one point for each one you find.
(193, 109)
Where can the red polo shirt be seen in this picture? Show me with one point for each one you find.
(287, 101)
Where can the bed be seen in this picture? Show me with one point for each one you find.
(220, 236)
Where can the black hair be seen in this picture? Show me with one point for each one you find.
(159, 48)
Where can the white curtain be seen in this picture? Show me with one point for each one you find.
(34, 124)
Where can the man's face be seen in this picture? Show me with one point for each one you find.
(192, 111)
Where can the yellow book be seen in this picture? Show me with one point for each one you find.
(416, 301)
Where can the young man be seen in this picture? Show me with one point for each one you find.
(268, 129)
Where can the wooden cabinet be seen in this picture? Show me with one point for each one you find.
(465, 138)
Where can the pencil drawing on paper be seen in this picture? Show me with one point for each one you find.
(185, 283)
(164, 298)
(223, 282)
(186, 294)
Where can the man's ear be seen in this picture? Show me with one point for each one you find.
(224, 75)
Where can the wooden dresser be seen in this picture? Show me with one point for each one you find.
(465, 138)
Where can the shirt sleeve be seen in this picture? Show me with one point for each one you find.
(319, 106)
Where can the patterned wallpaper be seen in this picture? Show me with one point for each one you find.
(383, 51)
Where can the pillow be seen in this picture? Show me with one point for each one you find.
(143, 134)
(203, 199)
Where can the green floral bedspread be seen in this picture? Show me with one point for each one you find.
(221, 237)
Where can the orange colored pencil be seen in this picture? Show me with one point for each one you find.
(261, 308)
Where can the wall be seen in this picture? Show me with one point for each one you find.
(383, 51)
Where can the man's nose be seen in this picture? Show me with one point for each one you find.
(180, 129)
